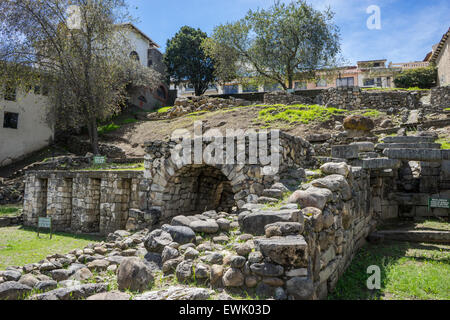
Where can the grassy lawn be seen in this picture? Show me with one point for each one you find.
(298, 113)
(409, 272)
(20, 246)
(116, 167)
(9, 210)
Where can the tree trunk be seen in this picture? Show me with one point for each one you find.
(290, 78)
(93, 135)
(291, 82)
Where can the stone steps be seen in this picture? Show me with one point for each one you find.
(383, 146)
(381, 164)
(409, 139)
(417, 154)
(424, 125)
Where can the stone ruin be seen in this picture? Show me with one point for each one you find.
(294, 248)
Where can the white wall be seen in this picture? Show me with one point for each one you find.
(443, 65)
(138, 44)
(32, 133)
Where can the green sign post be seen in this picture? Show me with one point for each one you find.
(45, 223)
(99, 160)
(435, 203)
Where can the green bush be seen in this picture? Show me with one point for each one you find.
(107, 128)
(423, 78)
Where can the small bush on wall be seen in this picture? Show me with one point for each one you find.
(423, 78)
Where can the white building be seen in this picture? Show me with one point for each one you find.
(23, 123)
(23, 115)
(375, 74)
(441, 58)
(146, 51)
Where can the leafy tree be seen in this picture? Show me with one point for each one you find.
(186, 60)
(282, 44)
(424, 78)
(81, 50)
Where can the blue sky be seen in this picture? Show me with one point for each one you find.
(408, 27)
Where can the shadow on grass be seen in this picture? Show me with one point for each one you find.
(353, 284)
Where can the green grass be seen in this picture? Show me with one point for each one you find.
(9, 210)
(297, 114)
(164, 109)
(281, 202)
(116, 167)
(108, 128)
(370, 113)
(445, 144)
(395, 89)
(20, 246)
(408, 272)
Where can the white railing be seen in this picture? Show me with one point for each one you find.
(410, 65)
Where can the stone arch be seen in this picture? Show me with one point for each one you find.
(194, 189)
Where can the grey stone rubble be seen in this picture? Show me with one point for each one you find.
(228, 227)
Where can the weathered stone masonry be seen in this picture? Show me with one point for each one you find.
(192, 188)
(86, 202)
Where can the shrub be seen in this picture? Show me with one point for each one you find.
(423, 78)
(108, 128)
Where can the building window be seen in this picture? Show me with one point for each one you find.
(273, 87)
(135, 56)
(300, 85)
(10, 93)
(10, 120)
(369, 82)
(345, 82)
(150, 63)
(231, 89)
(321, 83)
(379, 82)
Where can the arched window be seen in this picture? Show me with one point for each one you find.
(134, 55)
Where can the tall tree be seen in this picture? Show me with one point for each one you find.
(424, 78)
(81, 48)
(281, 44)
(186, 60)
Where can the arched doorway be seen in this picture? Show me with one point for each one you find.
(195, 189)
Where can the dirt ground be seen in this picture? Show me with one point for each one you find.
(131, 137)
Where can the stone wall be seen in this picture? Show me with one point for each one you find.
(305, 251)
(11, 221)
(440, 97)
(83, 202)
(356, 98)
(175, 183)
(281, 97)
